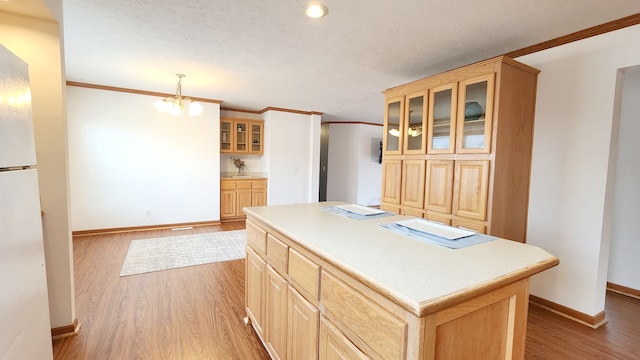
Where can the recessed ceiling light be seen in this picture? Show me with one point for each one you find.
(316, 10)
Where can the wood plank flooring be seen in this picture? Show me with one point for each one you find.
(187, 313)
(196, 312)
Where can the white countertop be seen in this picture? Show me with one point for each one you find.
(419, 276)
(246, 175)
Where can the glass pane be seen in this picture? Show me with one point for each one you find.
(393, 126)
(441, 138)
(255, 137)
(241, 137)
(474, 112)
(225, 135)
(414, 128)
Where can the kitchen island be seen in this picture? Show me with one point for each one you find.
(322, 285)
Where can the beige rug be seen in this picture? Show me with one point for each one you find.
(172, 252)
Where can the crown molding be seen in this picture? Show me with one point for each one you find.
(578, 35)
(135, 91)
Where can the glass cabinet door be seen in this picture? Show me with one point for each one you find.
(475, 112)
(415, 124)
(226, 135)
(393, 126)
(241, 137)
(442, 119)
(255, 134)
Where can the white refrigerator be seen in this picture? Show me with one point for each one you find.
(25, 330)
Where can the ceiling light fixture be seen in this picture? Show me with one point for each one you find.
(177, 105)
(316, 10)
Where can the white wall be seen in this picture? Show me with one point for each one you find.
(624, 267)
(574, 127)
(131, 165)
(38, 43)
(353, 173)
(292, 157)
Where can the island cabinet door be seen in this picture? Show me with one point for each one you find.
(255, 269)
(302, 328)
(491, 326)
(275, 329)
(335, 346)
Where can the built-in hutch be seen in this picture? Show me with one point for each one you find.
(457, 147)
(241, 137)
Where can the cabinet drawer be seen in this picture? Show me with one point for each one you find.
(367, 324)
(277, 254)
(243, 184)
(305, 275)
(257, 238)
(227, 185)
(259, 184)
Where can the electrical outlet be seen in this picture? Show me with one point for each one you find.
(148, 213)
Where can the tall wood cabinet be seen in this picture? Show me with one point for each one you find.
(457, 147)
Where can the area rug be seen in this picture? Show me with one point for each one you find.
(172, 252)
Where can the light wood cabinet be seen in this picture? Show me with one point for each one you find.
(333, 312)
(282, 289)
(255, 273)
(413, 183)
(302, 331)
(393, 126)
(441, 127)
(414, 129)
(241, 136)
(473, 133)
(391, 181)
(236, 194)
(335, 346)
(470, 188)
(439, 186)
(276, 302)
(479, 122)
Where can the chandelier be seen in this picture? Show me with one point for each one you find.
(178, 105)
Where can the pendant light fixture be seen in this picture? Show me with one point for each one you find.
(177, 105)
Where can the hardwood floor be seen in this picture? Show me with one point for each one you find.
(188, 313)
(196, 312)
(551, 336)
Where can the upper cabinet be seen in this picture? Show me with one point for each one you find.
(416, 124)
(474, 118)
(442, 119)
(241, 136)
(393, 125)
(461, 141)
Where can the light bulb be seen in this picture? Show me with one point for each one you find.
(316, 10)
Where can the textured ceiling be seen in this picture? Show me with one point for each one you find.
(253, 54)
